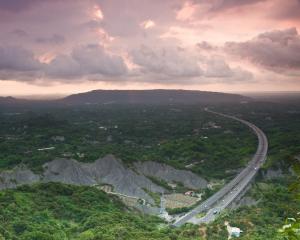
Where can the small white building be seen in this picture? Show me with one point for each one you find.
(45, 149)
(189, 193)
(232, 231)
(172, 185)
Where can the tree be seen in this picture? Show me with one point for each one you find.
(291, 229)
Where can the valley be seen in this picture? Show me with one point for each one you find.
(156, 161)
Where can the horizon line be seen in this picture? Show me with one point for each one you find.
(53, 96)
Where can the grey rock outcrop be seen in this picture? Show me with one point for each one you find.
(170, 174)
(107, 170)
(112, 171)
(67, 171)
(17, 176)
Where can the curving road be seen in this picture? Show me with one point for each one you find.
(225, 196)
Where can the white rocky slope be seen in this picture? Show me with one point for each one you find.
(67, 171)
(170, 174)
(17, 176)
(107, 170)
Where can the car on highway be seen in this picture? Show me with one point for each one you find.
(215, 212)
(230, 191)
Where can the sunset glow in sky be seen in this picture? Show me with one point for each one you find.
(68, 46)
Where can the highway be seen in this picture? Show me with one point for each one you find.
(225, 196)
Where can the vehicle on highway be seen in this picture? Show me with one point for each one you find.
(235, 187)
(215, 212)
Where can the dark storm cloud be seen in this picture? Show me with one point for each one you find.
(86, 60)
(54, 39)
(226, 4)
(18, 59)
(16, 5)
(17, 63)
(63, 67)
(219, 5)
(21, 5)
(19, 33)
(171, 62)
(94, 60)
(218, 68)
(175, 64)
(204, 45)
(276, 50)
(71, 40)
(168, 64)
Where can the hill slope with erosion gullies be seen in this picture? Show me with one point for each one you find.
(107, 170)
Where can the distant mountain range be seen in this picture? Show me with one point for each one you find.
(8, 100)
(134, 97)
(151, 97)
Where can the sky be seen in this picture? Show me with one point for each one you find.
(68, 46)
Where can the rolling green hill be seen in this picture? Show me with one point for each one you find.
(55, 211)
